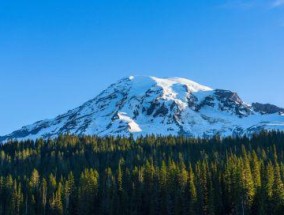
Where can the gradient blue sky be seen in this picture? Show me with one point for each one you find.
(55, 55)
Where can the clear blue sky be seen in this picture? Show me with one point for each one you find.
(56, 54)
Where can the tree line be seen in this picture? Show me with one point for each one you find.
(150, 175)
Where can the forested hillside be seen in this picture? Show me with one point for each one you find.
(151, 175)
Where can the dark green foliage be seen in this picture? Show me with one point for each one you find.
(151, 175)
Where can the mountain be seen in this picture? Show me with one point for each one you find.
(150, 105)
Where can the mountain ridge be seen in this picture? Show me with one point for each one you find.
(141, 105)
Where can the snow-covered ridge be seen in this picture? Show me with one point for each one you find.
(164, 106)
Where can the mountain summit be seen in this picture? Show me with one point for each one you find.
(150, 105)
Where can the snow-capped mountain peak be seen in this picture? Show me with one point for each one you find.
(142, 105)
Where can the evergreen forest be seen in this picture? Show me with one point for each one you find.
(150, 175)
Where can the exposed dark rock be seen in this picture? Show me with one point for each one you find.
(109, 97)
(191, 101)
(237, 131)
(266, 108)
(172, 106)
(162, 111)
(135, 114)
(152, 107)
(19, 134)
(208, 101)
(83, 128)
(36, 130)
(114, 117)
(210, 119)
(227, 95)
(231, 101)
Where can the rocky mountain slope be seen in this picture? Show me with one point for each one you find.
(150, 105)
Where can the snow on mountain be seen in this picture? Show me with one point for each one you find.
(151, 105)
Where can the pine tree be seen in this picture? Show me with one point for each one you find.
(278, 191)
(17, 198)
(88, 191)
(192, 191)
(43, 193)
(248, 187)
(69, 190)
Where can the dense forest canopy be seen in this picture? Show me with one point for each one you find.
(151, 175)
